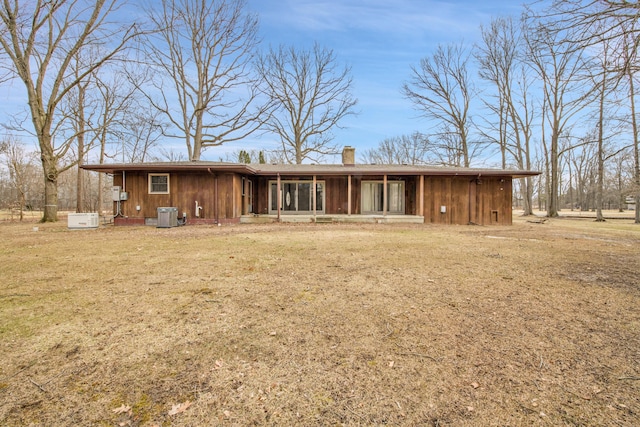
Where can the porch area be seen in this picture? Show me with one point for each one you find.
(337, 218)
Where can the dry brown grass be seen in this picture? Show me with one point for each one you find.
(533, 324)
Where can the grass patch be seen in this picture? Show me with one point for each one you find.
(341, 324)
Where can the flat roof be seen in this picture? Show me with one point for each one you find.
(304, 169)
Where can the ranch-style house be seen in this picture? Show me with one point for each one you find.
(202, 192)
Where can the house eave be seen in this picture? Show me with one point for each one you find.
(308, 170)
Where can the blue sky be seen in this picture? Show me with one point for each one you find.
(380, 40)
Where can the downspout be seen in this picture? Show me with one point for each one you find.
(215, 201)
(469, 202)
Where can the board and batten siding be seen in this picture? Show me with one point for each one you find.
(485, 201)
(221, 201)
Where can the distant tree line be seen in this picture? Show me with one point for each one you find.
(552, 90)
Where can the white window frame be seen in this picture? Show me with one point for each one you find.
(150, 179)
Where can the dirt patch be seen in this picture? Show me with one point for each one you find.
(321, 325)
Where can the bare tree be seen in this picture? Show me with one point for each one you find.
(441, 90)
(311, 94)
(202, 51)
(587, 23)
(629, 51)
(41, 39)
(20, 165)
(406, 149)
(559, 70)
(502, 64)
(592, 21)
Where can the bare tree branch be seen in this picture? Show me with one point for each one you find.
(311, 95)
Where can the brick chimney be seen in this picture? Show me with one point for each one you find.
(348, 156)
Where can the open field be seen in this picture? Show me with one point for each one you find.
(532, 324)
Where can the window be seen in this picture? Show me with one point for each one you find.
(373, 197)
(297, 197)
(158, 183)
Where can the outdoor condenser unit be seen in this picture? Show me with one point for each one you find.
(167, 217)
(83, 220)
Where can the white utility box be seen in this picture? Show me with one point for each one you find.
(83, 220)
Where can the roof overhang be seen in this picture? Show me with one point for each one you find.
(306, 170)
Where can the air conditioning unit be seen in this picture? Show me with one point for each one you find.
(167, 217)
(82, 220)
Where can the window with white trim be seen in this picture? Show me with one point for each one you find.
(158, 183)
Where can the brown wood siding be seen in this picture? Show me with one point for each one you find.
(494, 199)
(336, 195)
(184, 190)
(411, 194)
(261, 195)
(486, 201)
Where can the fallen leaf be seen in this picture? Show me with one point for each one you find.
(179, 408)
(123, 409)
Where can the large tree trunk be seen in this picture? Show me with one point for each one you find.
(527, 196)
(80, 202)
(50, 211)
(50, 169)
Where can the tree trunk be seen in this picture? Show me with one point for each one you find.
(50, 211)
(552, 211)
(80, 203)
(636, 156)
(50, 169)
(528, 210)
(600, 183)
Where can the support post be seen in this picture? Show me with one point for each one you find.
(279, 197)
(315, 190)
(384, 196)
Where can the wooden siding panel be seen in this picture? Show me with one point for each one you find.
(221, 201)
(336, 195)
(493, 206)
(192, 188)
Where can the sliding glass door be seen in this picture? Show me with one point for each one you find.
(297, 197)
(373, 197)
